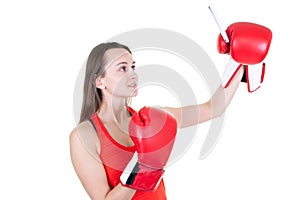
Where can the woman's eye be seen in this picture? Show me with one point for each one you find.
(123, 69)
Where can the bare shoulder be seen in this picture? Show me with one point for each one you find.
(84, 134)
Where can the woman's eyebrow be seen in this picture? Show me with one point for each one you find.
(122, 63)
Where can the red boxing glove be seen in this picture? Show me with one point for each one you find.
(153, 132)
(249, 44)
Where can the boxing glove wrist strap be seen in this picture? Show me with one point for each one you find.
(141, 177)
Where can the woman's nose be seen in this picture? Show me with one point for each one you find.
(132, 74)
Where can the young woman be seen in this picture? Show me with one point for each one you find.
(100, 145)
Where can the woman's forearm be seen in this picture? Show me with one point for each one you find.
(223, 96)
(120, 193)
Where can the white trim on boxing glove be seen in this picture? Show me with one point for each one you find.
(129, 168)
(229, 72)
(255, 76)
(141, 177)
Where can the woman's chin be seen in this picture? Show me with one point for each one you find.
(134, 93)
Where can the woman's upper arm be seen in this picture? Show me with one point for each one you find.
(89, 169)
(191, 115)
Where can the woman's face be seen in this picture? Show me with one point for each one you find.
(119, 77)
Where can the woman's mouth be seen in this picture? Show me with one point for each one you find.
(132, 85)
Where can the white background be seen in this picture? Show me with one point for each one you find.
(42, 47)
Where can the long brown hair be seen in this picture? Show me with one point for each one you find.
(92, 96)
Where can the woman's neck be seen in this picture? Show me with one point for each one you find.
(113, 110)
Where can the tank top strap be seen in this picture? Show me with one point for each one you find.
(131, 110)
(94, 121)
(104, 135)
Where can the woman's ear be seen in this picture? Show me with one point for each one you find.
(99, 82)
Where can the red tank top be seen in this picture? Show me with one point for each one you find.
(115, 158)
